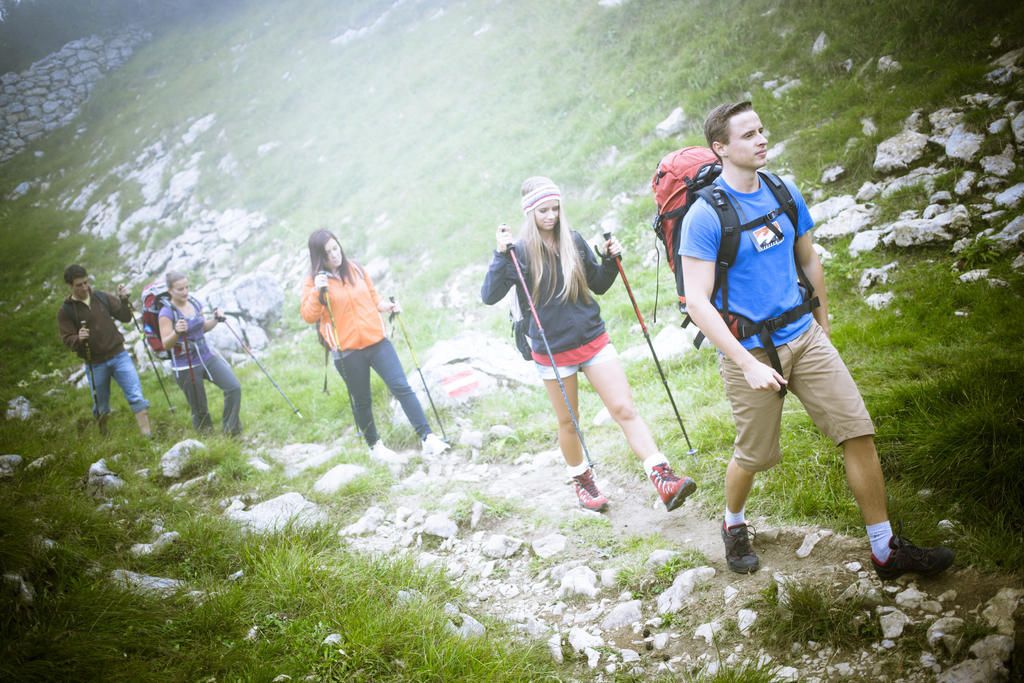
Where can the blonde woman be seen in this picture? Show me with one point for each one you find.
(561, 271)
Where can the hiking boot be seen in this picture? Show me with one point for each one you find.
(586, 491)
(739, 554)
(907, 557)
(101, 422)
(672, 489)
(432, 445)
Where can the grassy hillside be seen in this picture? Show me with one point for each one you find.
(411, 142)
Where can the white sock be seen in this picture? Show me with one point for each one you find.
(879, 535)
(651, 460)
(734, 518)
(577, 470)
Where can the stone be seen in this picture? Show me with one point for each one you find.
(820, 44)
(745, 619)
(299, 457)
(1011, 235)
(578, 581)
(948, 632)
(277, 513)
(337, 477)
(1011, 197)
(151, 585)
(674, 124)
(900, 151)
(440, 525)
(671, 600)
(893, 624)
(830, 208)
(623, 614)
(173, 461)
(500, 545)
(886, 64)
(965, 183)
(880, 300)
(996, 646)
(660, 557)
(963, 144)
(101, 481)
(832, 174)
(19, 408)
(554, 644)
(9, 465)
(580, 639)
(549, 546)
(999, 611)
(707, 631)
(973, 671)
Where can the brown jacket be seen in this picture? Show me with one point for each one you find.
(105, 339)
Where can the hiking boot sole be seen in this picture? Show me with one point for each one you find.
(744, 568)
(688, 487)
(600, 508)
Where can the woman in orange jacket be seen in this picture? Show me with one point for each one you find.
(339, 295)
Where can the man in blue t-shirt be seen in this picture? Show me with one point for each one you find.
(763, 284)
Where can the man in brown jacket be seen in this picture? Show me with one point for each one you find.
(87, 327)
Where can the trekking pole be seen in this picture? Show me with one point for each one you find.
(657, 363)
(224, 320)
(551, 356)
(325, 298)
(405, 333)
(149, 353)
(188, 357)
(92, 378)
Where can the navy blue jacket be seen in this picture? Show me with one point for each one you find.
(567, 325)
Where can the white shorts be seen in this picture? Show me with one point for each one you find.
(603, 356)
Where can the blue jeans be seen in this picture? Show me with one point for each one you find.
(121, 368)
(354, 368)
(219, 372)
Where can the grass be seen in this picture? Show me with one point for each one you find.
(813, 612)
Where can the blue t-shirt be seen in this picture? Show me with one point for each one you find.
(762, 280)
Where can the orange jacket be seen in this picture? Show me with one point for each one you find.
(357, 321)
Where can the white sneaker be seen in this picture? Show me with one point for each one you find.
(432, 445)
(379, 451)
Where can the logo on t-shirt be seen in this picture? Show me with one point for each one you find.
(767, 236)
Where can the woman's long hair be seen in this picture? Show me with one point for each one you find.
(542, 258)
(318, 257)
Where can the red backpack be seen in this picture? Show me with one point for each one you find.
(154, 297)
(679, 176)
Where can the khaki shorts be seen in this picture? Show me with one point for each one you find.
(817, 376)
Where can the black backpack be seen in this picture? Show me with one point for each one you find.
(732, 230)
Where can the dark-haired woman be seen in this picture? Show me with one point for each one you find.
(561, 270)
(339, 295)
(182, 330)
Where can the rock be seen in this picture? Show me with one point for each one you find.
(1012, 235)
(152, 585)
(24, 592)
(1018, 128)
(820, 44)
(299, 457)
(18, 408)
(468, 628)
(332, 639)
(875, 276)
(660, 557)
(549, 546)
(9, 465)
(580, 639)
(173, 462)
(963, 144)
(785, 88)
(947, 631)
(165, 540)
(999, 165)
(811, 539)
(366, 524)
(440, 525)
(898, 152)
(473, 438)
(102, 482)
(973, 671)
(965, 183)
(868, 127)
(996, 646)
(1011, 197)
(880, 300)
(830, 208)
(671, 600)
(277, 513)
(886, 64)
(621, 615)
(745, 620)
(578, 581)
(39, 463)
(499, 546)
(707, 632)
(337, 477)
(893, 623)
(671, 343)
(673, 125)
(554, 644)
(832, 174)
(999, 611)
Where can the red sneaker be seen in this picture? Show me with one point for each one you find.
(672, 489)
(586, 491)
